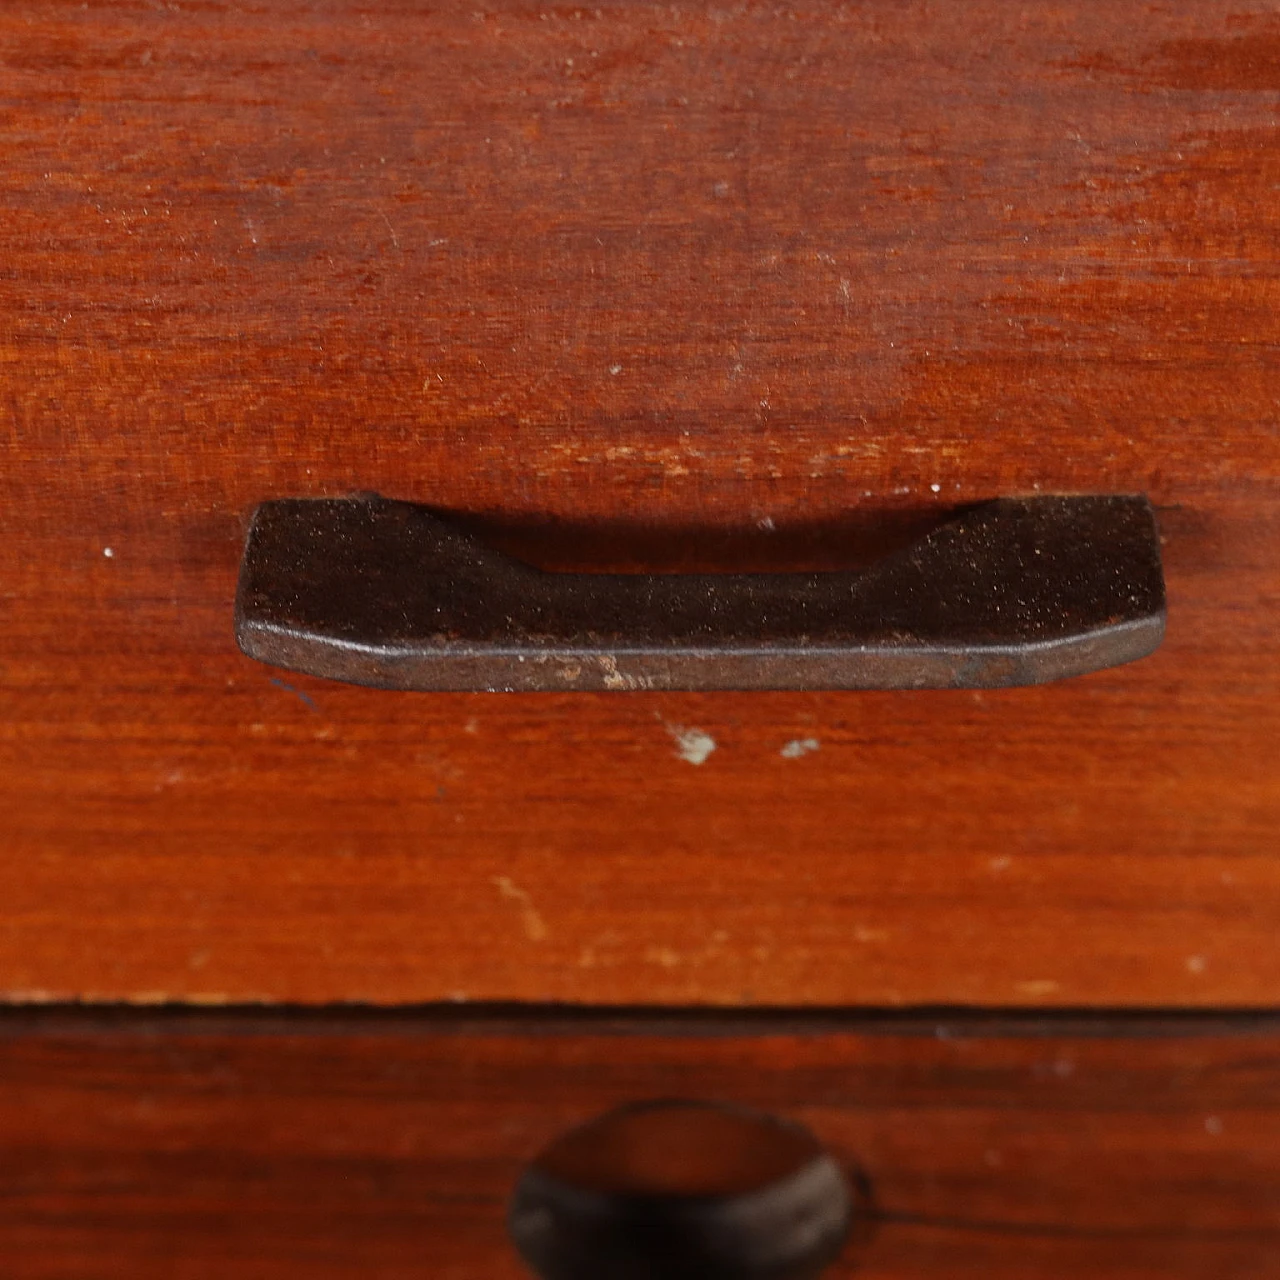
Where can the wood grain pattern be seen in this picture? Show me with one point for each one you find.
(388, 1147)
(616, 277)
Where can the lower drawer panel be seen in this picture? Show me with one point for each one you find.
(385, 1145)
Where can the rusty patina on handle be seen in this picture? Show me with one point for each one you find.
(390, 594)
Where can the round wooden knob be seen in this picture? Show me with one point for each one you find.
(682, 1191)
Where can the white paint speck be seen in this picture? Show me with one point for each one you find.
(937, 488)
(798, 747)
(692, 745)
(862, 934)
(108, 552)
(1037, 987)
(615, 369)
(766, 524)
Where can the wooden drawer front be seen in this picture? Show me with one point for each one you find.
(387, 1147)
(606, 272)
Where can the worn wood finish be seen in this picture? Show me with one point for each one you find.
(616, 277)
(387, 1148)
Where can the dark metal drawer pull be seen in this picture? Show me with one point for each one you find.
(1017, 591)
(682, 1191)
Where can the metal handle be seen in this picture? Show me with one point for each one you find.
(682, 1191)
(389, 594)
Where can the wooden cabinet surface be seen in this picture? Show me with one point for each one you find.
(635, 285)
(632, 286)
(387, 1147)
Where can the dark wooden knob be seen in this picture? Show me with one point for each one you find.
(682, 1191)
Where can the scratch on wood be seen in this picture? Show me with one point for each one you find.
(297, 693)
(535, 927)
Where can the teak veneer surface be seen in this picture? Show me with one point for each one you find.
(274, 1148)
(648, 284)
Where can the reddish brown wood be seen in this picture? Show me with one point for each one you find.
(607, 272)
(387, 1148)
